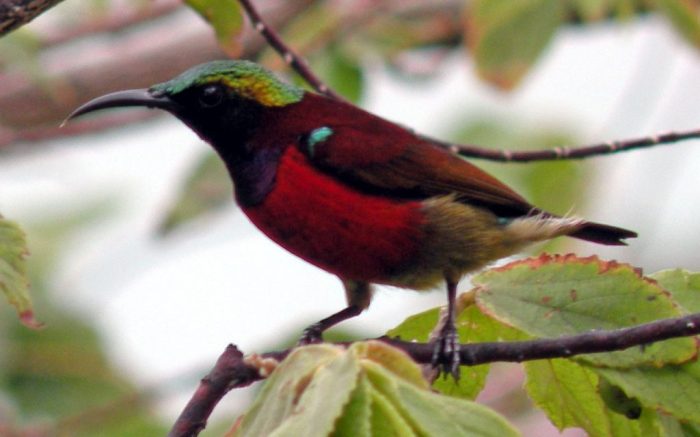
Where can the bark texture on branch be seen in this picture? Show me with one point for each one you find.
(15, 13)
(233, 370)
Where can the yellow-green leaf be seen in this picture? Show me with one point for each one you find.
(355, 422)
(14, 283)
(568, 394)
(683, 285)
(367, 389)
(342, 73)
(226, 19)
(685, 17)
(304, 395)
(551, 296)
(591, 10)
(435, 415)
(506, 37)
(617, 400)
(472, 326)
(674, 389)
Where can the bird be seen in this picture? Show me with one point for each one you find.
(359, 196)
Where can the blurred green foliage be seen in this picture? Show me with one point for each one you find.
(57, 380)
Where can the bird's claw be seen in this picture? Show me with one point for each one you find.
(311, 335)
(446, 352)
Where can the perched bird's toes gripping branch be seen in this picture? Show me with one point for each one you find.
(446, 351)
(354, 194)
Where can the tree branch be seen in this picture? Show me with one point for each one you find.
(559, 153)
(233, 370)
(15, 13)
(299, 64)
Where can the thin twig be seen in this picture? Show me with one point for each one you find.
(561, 153)
(232, 370)
(15, 13)
(300, 65)
(289, 56)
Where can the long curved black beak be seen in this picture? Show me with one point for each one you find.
(139, 97)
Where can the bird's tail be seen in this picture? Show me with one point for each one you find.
(602, 234)
(540, 225)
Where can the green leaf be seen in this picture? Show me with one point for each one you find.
(355, 421)
(506, 37)
(683, 285)
(472, 326)
(55, 378)
(226, 19)
(616, 399)
(341, 73)
(60, 373)
(595, 10)
(206, 188)
(305, 394)
(690, 430)
(390, 358)
(447, 416)
(685, 17)
(386, 418)
(14, 283)
(568, 394)
(416, 327)
(674, 389)
(591, 10)
(551, 296)
(368, 389)
(431, 414)
(664, 425)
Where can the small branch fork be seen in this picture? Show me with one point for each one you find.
(299, 64)
(233, 370)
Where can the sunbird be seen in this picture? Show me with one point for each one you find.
(361, 197)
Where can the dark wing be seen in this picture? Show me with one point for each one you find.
(381, 157)
(390, 160)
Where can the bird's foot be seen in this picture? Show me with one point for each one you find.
(312, 334)
(446, 351)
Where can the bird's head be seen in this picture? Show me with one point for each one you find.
(218, 100)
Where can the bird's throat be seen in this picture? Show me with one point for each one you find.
(254, 175)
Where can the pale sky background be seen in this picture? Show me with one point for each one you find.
(169, 307)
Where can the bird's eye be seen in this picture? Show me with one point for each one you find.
(211, 96)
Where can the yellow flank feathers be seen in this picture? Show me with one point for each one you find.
(467, 238)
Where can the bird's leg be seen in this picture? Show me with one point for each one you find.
(446, 349)
(358, 296)
(313, 333)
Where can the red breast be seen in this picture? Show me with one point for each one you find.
(325, 222)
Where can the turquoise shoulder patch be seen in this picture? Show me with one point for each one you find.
(316, 137)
